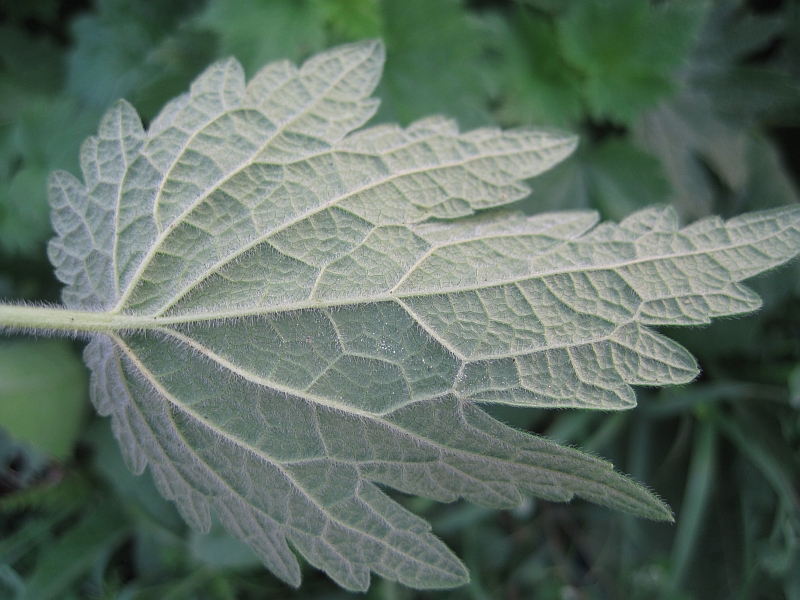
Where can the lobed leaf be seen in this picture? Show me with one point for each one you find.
(305, 314)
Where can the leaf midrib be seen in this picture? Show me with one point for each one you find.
(129, 321)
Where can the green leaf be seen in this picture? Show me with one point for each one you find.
(686, 133)
(539, 85)
(43, 393)
(695, 501)
(75, 552)
(434, 63)
(257, 32)
(288, 315)
(705, 135)
(350, 20)
(740, 88)
(139, 494)
(137, 49)
(623, 178)
(627, 51)
(44, 137)
(614, 176)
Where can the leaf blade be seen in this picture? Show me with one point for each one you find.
(305, 314)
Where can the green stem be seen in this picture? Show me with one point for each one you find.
(52, 319)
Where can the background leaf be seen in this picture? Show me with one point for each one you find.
(42, 394)
(434, 63)
(626, 50)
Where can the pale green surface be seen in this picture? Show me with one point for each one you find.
(42, 393)
(302, 335)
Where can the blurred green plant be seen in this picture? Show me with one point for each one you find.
(711, 129)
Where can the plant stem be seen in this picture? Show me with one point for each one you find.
(52, 319)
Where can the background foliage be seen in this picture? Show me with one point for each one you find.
(682, 101)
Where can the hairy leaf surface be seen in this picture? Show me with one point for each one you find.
(301, 314)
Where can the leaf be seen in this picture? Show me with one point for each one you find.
(624, 178)
(700, 136)
(62, 563)
(290, 316)
(139, 50)
(139, 494)
(738, 87)
(695, 502)
(539, 86)
(219, 550)
(44, 137)
(627, 50)
(434, 62)
(257, 32)
(42, 393)
(352, 19)
(614, 176)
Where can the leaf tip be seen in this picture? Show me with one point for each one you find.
(656, 509)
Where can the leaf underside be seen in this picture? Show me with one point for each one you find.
(321, 309)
